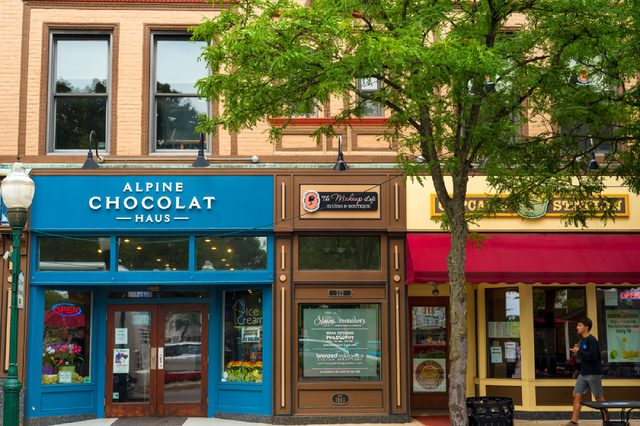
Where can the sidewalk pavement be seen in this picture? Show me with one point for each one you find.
(201, 421)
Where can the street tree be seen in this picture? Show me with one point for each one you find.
(459, 81)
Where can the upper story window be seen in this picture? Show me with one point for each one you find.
(312, 112)
(79, 90)
(367, 87)
(592, 87)
(176, 106)
(339, 252)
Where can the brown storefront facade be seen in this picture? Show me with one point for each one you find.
(317, 301)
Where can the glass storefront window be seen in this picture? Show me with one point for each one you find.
(556, 311)
(351, 253)
(66, 344)
(619, 331)
(153, 254)
(231, 253)
(73, 254)
(242, 334)
(339, 342)
(503, 333)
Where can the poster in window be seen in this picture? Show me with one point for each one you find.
(120, 361)
(121, 336)
(510, 351)
(429, 375)
(496, 355)
(623, 335)
(340, 342)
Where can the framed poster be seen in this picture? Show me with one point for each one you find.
(120, 361)
(429, 375)
(340, 341)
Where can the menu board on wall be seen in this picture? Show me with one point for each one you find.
(340, 342)
(623, 335)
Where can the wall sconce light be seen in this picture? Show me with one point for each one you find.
(340, 165)
(593, 163)
(435, 290)
(201, 161)
(90, 163)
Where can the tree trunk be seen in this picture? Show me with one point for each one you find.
(458, 313)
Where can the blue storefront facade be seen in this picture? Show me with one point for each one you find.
(150, 294)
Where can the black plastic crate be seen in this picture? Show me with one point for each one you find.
(491, 411)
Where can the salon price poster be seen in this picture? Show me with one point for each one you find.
(120, 361)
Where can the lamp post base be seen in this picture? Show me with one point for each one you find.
(11, 402)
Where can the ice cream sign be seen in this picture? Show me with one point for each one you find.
(152, 202)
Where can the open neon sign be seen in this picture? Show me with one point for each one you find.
(630, 294)
(66, 309)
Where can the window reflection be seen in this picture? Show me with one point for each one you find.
(176, 103)
(556, 314)
(503, 333)
(153, 254)
(231, 253)
(340, 253)
(66, 343)
(242, 336)
(80, 95)
(74, 254)
(339, 341)
(619, 330)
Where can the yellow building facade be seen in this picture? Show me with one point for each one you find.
(530, 281)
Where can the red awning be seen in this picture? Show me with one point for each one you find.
(530, 258)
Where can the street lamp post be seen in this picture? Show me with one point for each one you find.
(17, 194)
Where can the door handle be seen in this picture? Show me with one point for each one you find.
(160, 358)
(153, 358)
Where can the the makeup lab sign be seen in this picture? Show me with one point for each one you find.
(152, 202)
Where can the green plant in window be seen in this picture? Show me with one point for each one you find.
(244, 371)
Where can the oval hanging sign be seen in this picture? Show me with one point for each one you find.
(66, 309)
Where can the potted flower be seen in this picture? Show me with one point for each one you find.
(243, 371)
(62, 356)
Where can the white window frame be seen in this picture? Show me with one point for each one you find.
(361, 89)
(54, 35)
(153, 95)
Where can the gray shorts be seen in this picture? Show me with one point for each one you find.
(591, 381)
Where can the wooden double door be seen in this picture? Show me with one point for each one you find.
(156, 360)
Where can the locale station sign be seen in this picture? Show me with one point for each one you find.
(554, 207)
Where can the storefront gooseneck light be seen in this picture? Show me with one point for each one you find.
(201, 161)
(340, 163)
(17, 193)
(90, 163)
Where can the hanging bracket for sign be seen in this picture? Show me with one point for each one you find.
(340, 292)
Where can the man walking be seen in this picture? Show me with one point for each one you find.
(590, 377)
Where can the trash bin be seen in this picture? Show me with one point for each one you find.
(490, 411)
